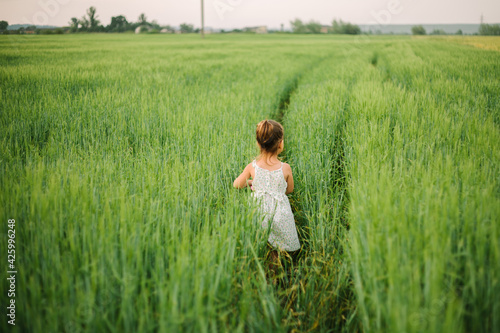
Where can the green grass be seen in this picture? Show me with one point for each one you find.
(425, 212)
(118, 154)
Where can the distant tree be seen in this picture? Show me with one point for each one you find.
(336, 27)
(84, 23)
(298, 26)
(168, 28)
(313, 27)
(351, 29)
(118, 24)
(44, 31)
(341, 27)
(418, 30)
(438, 32)
(186, 28)
(132, 26)
(3, 25)
(154, 24)
(459, 32)
(93, 21)
(143, 19)
(73, 24)
(489, 29)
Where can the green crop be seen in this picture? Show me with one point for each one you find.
(118, 156)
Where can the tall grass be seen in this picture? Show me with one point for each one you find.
(423, 160)
(118, 155)
(415, 134)
(315, 123)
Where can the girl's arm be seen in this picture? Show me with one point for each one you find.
(242, 179)
(287, 170)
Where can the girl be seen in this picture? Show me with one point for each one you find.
(271, 181)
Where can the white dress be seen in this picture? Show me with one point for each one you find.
(269, 188)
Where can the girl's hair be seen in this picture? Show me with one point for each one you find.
(269, 135)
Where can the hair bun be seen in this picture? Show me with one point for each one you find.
(269, 134)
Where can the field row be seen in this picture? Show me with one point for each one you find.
(118, 155)
(417, 136)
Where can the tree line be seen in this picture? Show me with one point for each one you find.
(489, 29)
(314, 27)
(346, 28)
(484, 30)
(90, 23)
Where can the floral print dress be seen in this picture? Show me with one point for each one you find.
(269, 188)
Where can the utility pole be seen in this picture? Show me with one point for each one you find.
(202, 21)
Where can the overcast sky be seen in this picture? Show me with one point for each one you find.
(242, 13)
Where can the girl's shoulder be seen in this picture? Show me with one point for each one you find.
(286, 166)
(250, 165)
(287, 169)
(250, 168)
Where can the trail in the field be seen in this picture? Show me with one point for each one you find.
(339, 185)
(279, 116)
(338, 168)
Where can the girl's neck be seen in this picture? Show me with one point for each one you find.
(269, 159)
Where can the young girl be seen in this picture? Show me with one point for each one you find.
(271, 181)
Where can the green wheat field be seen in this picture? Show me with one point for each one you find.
(118, 154)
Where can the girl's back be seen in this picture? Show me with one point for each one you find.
(269, 187)
(271, 181)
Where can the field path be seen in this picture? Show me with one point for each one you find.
(315, 150)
